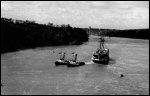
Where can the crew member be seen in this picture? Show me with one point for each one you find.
(74, 59)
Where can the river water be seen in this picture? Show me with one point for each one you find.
(33, 72)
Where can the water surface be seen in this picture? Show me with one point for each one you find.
(33, 71)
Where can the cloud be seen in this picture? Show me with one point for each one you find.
(5, 6)
(106, 14)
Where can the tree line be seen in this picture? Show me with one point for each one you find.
(128, 33)
(19, 34)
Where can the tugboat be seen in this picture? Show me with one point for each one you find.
(74, 63)
(62, 60)
(101, 55)
(69, 63)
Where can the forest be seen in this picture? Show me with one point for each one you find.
(23, 34)
(127, 33)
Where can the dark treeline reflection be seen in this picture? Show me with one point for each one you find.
(128, 33)
(19, 34)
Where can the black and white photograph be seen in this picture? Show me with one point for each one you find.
(74, 47)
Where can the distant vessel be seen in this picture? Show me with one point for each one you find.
(101, 55)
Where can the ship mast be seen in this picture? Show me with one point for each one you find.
(101, 39)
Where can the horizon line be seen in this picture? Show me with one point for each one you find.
(72, 25)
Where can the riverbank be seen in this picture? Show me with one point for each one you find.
(19, 34)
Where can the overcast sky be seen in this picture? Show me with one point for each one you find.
(98, 14)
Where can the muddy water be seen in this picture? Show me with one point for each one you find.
(33, 71)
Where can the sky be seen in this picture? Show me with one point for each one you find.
(97, 14)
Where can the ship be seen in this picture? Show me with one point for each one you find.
(101, 55)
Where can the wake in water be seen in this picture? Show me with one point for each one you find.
(111, 61)
(91, 62)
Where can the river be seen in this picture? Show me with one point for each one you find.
(33, 72)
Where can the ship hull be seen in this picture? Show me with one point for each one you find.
(102, 57)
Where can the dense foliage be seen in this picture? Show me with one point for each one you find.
(19, 34)
(130, 33)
